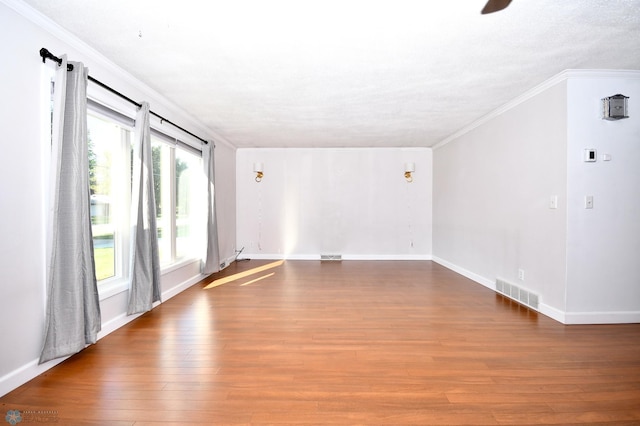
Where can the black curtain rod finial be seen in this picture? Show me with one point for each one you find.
(45, 54)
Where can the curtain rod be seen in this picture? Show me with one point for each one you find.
(45, 54)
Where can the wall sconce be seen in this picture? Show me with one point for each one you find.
(258, 169)
(408, 169)
(615, 107)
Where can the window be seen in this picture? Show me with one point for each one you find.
(180, 193)
(179, 185)
(180, 190)
(190, 205)
(110, 192)
(161, 154)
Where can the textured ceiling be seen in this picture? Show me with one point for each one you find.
(346, 73)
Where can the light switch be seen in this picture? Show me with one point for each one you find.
(590, 155)
(553, 202)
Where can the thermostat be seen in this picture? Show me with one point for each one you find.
(615, 107)
(590, 155)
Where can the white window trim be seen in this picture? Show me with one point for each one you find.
(120, 281)
(121, 112)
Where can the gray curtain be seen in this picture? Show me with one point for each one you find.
(211, 262)
(144, 285)
(73, 306)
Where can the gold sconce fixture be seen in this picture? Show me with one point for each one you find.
(409, 168)
(259, 171)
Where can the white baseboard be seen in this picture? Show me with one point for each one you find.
(567, 318)
(574, 318)
(228, 261)
(465, 273)
(553, 313)
(546, 310)
(261, 256)
(22, 375)
(386, 257)
(280, 256)
(31, 369)
(179, 288)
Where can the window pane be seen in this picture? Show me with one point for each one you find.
(189, 204)
(104, 141)
(161, 157)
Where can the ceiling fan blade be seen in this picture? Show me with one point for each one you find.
(494, 6)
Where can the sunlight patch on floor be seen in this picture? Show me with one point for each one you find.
(258, 279)
(244, 274)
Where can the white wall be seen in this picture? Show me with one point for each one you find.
(225, 163)
(493, 182)
(21, 245)
(603, 265)
(353, 202)
(23, 110)
(492, 187)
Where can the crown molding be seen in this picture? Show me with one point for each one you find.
(547, 84)
(92, 55)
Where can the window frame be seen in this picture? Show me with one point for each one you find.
(124, 113)
(169, 191)
(119, 282)
(108, 106)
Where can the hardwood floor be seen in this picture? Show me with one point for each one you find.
(343, 343)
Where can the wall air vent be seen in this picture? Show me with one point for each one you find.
(519, 294)
(331, 257)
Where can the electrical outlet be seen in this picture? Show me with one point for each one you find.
(588, 201)
(521, 274)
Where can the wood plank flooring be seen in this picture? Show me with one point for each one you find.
(340, 343)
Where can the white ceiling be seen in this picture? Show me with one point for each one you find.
(328, 73)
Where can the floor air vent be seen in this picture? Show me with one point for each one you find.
(518, 294)
(325, 257)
